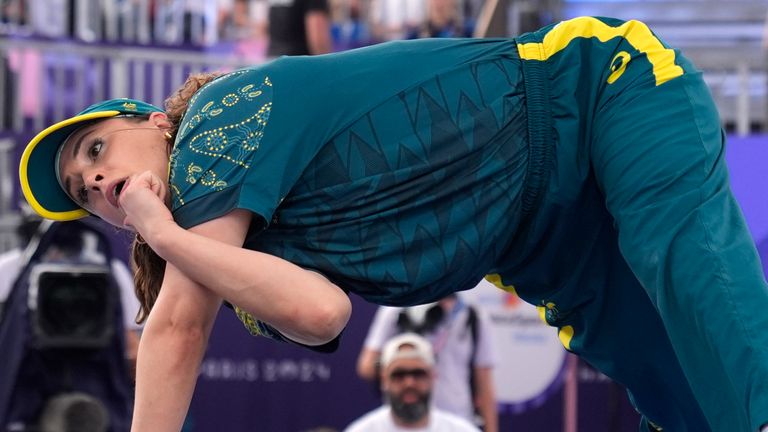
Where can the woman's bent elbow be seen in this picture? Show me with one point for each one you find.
(329, 320)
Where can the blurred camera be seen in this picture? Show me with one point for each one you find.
(63, 357)
(71, 305)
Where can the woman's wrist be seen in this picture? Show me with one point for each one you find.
(161, 237)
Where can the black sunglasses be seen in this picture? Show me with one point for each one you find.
(401, 374)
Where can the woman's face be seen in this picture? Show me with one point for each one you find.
(97, 159)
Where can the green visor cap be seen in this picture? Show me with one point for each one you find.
(37, 171)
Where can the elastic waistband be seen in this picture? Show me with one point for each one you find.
(540, 146)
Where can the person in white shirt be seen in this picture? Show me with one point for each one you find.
(407, 377)
(397, 19)
(460, 334)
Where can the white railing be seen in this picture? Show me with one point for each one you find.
(166, 22)
(9, 218)
(50, 81)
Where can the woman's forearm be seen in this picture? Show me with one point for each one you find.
(166, 372)
(302, 304)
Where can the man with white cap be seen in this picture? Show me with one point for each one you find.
(407, 377)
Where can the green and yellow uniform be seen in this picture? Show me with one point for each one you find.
(581, 164)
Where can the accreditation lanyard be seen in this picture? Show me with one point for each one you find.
(441, 336)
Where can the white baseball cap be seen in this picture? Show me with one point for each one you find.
(407, 346)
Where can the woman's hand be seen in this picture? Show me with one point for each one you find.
(143, 200)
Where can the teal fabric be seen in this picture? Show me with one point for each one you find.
(639, 247)
(398, 178)
(586, 179)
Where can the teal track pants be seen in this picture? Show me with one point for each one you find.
(685, 239)
(647, 266)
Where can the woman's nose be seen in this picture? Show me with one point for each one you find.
(93, 181)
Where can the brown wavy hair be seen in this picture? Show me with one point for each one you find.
(148, 267)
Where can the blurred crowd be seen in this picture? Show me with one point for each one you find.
(372, 21)
(214, 22)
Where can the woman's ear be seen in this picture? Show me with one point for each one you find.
(160, 120)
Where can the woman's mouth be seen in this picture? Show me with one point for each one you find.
(116, 188)
(119, 187)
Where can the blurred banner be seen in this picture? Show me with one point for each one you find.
(747, 159)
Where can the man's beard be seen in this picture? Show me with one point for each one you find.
(410, 412)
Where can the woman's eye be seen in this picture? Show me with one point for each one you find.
(82, 195)
(95, 149)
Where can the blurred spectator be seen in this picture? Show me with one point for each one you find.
(50, 18)
(407, 377)
(13, 12)
(460, 337)
(397, 19)
(258, 18)
(471, 12)
(200, 26)
(236, 21)
(187, 21)
(349, 29)
(244, 24)
(443, 19)
(299, 27)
